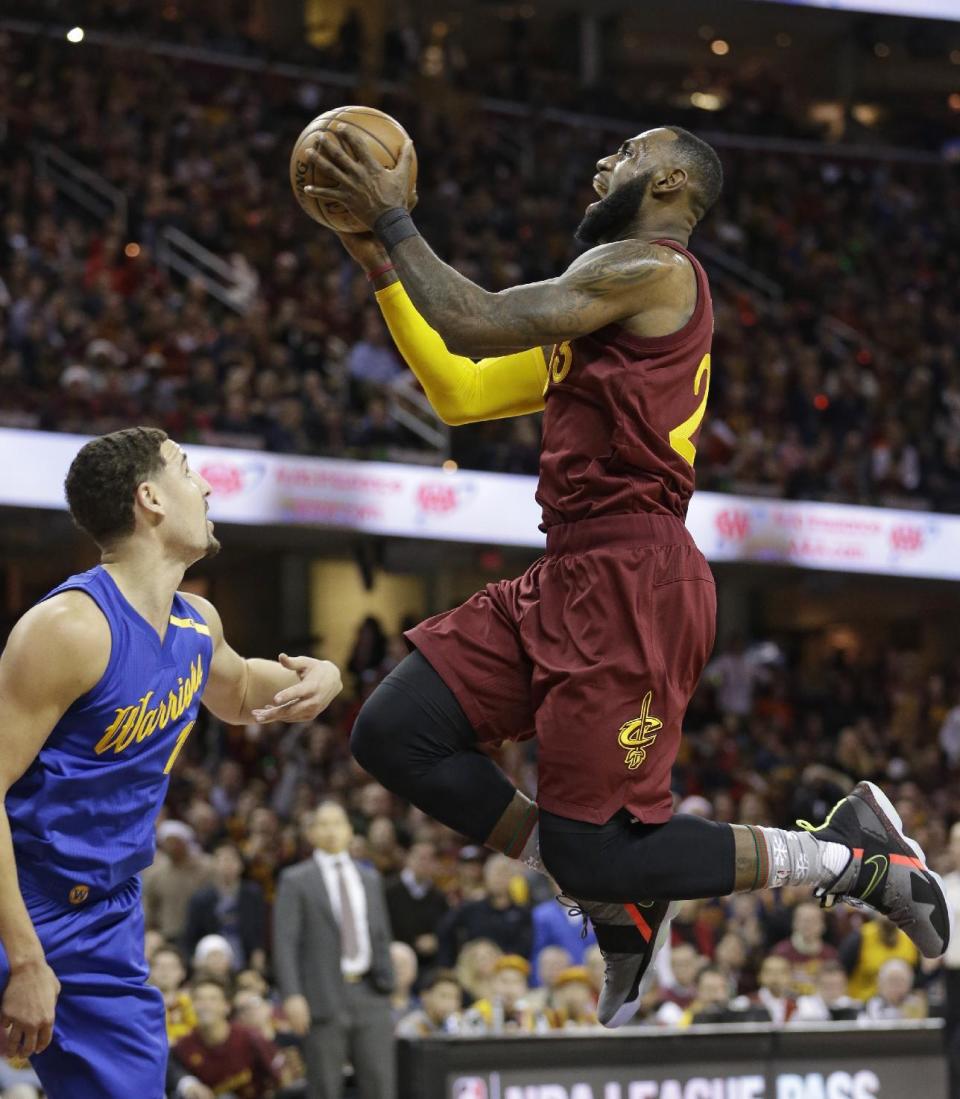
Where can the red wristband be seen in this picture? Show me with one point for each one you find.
(373, 275)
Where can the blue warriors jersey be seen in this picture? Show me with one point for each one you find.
(82, 816)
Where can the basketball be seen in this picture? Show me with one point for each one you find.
(384, 137)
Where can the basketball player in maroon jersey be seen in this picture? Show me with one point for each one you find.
(598, 646)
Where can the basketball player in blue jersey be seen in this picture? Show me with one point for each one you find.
(100, 685)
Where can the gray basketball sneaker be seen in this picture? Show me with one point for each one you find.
(629, 936)
(887, 871)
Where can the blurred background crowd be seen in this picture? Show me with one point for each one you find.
(836, 282)
(836, 277)
(478, 944)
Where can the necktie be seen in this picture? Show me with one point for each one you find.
(348, 922)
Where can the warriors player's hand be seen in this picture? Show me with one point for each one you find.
(362, 184)
(27, 1009)
(319, 684)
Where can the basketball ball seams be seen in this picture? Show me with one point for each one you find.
(373, 137)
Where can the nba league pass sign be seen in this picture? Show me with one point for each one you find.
(881, 1080)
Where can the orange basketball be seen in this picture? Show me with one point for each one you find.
(384, 137)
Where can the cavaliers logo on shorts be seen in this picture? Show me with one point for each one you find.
(638, 734)
(78, 894)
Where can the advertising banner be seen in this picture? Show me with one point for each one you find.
(759, 1061)
(929, 9)
(413, 501)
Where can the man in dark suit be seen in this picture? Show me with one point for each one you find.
(332, 962)
(230, 907)
(415, 904)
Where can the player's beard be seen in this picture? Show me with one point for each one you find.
(610, 218)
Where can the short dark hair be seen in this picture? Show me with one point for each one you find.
(102, 481)
(703, 167)
(169, 948)
(438, 977)
(212, 982)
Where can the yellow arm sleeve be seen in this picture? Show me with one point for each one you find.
(462, 391)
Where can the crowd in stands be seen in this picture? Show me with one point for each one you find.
(846, 388)
(481, 945)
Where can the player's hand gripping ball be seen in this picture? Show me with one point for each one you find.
(383, 138)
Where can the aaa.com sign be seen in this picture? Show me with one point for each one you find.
(500, 509)
(826, 536)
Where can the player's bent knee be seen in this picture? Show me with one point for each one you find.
(368, 737)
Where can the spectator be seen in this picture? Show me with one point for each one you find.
(506, 1010)
(213, 959)
(331, 953)
(231, 907)
(383, 847)
(730, 957)
(864, 952)
(773, 995)
(949, 736)
(415, 904)
(224, 1056)
(554, 926)
(735, 673)
(895, 998)
(830, 1002)
(712, 1002)
(167, 972)
(470, 862)
(497, 917)
(403, 1001)
(476, 965)
(369, 649)
(547, 966)
(571, 1000)
(253, 1011)
(441, 998)
(178, 871)
(680, 990)
(373, 360)
(805, 950)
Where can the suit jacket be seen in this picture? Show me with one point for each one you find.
(306, 938)
(202, 918)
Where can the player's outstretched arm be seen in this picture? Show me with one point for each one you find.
(240, 691)
(57, 652)
(609, 283)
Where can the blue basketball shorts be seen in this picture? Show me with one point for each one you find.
(109, 1037)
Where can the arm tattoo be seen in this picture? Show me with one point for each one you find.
(611, 279)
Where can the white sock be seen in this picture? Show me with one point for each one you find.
(797, 858)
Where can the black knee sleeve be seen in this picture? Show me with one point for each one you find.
(414, 738)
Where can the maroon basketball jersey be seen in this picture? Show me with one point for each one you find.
(623, 416)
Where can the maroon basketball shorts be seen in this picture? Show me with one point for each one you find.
(595, 650)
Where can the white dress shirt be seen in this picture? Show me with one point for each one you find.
(360, 964)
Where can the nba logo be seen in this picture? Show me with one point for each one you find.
(469, 1087)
